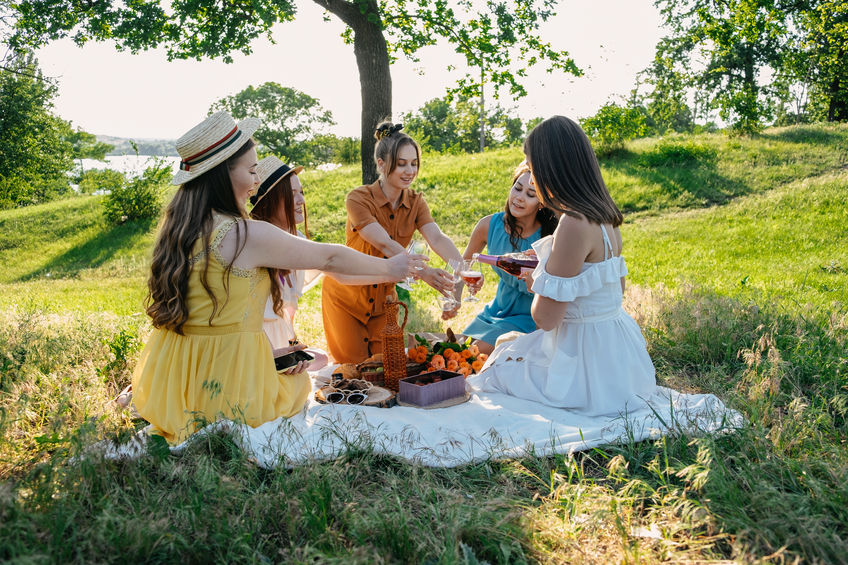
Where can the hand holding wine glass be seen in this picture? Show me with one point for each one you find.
(450, 304)
(417, 247)
(472, 276)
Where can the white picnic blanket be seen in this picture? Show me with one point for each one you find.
(489, 425)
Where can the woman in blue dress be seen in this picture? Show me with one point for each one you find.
(523, 221)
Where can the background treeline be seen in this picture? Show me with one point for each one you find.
(748, 62)
(745, 64)
(736, 64)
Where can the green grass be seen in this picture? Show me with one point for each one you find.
(70, 240)
(784, 245)
(737, 261)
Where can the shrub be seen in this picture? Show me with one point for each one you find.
(670, 152)
(612, 126)
(105, 180)
(139, 198)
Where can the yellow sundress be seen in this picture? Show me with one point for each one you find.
(222, 369)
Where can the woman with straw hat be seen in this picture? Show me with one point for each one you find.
(207, 356)
(279, 200)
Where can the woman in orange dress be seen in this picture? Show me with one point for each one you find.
(381, 219)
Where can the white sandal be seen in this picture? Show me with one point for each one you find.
(124, 399)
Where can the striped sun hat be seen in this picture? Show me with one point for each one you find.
(271, 171)
(210, 143)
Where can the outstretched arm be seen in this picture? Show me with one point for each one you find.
(444, 248)
(439, 242)
(268, 246)
(377, 236)
(478, 238)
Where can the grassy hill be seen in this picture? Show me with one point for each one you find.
(737, 256)
(62, 256)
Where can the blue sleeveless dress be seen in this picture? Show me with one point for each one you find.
(510, 309)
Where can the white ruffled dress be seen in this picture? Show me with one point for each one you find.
(595, 362)
(280, 329)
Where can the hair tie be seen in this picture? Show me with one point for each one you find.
(385, 130)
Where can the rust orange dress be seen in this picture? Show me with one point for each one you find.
(354, 315)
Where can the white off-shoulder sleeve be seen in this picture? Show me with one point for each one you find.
(566, 289)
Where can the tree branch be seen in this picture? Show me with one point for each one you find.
(448, 30)
(346, 12)
(17, 72)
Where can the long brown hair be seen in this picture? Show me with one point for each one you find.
(277, 207)
(566, 171)
(544, 215)
(389, 141)
(188, 218)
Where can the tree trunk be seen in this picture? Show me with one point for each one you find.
(837, 108)
(482, 106)
(375, 79)
(750, 106)
(375, 84)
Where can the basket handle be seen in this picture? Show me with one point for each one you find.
(405, 313)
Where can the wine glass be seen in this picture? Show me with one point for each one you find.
(472, 275)
(417, 247)
(447, 303)
(453, 268)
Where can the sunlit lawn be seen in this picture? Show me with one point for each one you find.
(738, 277)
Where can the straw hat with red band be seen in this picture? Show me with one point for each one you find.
(271, 171)
(210, 143)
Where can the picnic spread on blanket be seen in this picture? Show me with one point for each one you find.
(553, 364)
(350, 408)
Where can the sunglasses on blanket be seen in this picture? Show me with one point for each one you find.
(347, 396)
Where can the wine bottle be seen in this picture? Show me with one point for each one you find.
(512, 263)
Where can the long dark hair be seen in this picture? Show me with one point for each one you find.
(544, 215)
(277, 207)
(188, 218)
(566, 171)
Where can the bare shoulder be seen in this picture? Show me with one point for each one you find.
(263, 229)
(483, 223)
(573, 229)
(572, 244)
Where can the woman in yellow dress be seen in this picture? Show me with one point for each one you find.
(207, 357)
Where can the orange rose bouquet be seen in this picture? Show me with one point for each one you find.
(462, 358)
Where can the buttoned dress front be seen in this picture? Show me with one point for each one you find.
(354, 315)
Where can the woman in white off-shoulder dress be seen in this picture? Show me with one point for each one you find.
(589, 354)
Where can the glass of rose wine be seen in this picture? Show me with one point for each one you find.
(472, 275)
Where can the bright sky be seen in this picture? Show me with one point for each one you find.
(144, 96)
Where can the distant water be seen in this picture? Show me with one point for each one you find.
(131, 165)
